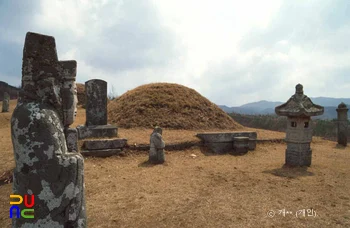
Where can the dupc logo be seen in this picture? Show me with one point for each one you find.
(28, 212)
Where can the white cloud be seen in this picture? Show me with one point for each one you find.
(231, 51)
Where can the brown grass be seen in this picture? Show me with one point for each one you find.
(169, 106)
(206, 191)
(81, 93)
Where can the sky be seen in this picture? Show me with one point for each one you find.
(232, 52)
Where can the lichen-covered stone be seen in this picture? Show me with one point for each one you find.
(72, 139)
(299, 108)
(6, 102)
(96, 102)
(157, 145)
(44, 166)
(342, 111)
(97, 131)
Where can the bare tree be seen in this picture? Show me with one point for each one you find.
(112, 93)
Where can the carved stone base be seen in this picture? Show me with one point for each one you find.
(97, 131)
(97, 144)
(298, 154)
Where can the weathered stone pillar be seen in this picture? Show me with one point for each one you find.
(96, 102)
(299, 108)
(342, 123)
(6, 102)
(72, 139)
(44, 166)
(157, 145)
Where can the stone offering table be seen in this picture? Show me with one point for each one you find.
(241, 144)
(222, 142)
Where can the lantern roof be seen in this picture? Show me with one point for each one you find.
(299, 105)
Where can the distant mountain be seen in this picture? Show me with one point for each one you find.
(264, 107)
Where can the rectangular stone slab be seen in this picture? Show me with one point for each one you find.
(221, 142)
(97, 144)
(220, 148)
(101, 153)
(97, 131)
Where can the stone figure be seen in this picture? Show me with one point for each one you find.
(157, 145)
(44, 167)
(6, 102)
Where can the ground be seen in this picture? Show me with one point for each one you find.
(206, 191)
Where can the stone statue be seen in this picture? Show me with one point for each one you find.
(6, 102)
(44, 167)
(156, 152)
(342, 124)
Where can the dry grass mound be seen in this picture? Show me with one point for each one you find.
(167, 105)
(81, 93)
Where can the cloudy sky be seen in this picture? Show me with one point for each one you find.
(232, 52)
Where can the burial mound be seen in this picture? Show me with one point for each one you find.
(81, 93)
(167, 105)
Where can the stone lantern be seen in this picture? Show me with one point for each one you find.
(299, 109)
(342, 122)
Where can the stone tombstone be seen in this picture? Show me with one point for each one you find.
(44, 166)
(342, 123)
(299, 109)
(157, 145)
(96, 102)
(6, 102)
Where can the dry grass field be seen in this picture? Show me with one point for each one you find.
(206, 191)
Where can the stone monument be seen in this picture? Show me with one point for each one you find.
(96, 112)
(6, 102)
(299, 108)
(96, 102)
(44, 166)
(342, 123)
(156, 152)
